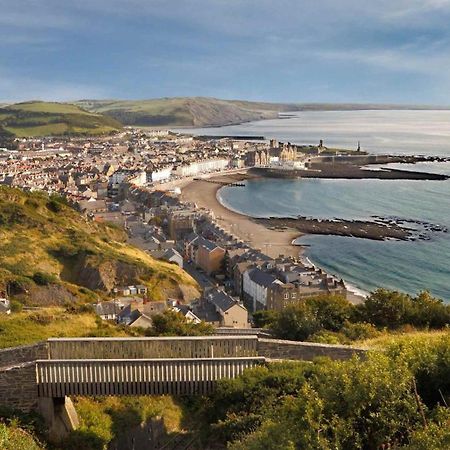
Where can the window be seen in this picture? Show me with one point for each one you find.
(286, 296)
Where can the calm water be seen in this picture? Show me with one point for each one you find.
(408, 266)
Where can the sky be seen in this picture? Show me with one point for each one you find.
(378, 51)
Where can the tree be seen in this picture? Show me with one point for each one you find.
(384, 308)
(311, 315)
(264, 318)
(173, 323)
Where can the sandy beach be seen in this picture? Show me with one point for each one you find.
(271, 242)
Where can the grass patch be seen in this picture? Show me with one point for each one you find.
(29, 327)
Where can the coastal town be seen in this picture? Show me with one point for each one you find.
(161, 187)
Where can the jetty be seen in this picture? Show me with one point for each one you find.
(222, 183)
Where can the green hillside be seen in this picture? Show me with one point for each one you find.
(52, 255)
(54, 119)
(203, 111)
(181, 111)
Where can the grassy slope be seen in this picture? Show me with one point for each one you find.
(28, 327)
(34, 238)
(45, 118)
(201, 111)
(387, 339)
(189, 111)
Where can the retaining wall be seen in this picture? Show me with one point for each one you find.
(18, 388)
(26, 353)
(306, 351)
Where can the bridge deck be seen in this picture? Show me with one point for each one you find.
(149, 348)
(186, 376)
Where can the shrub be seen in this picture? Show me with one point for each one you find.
(42, 318)
(359, 331)
(43, 279)
(54, 206)
(172, 323)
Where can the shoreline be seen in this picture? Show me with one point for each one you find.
(205, 195)
(272, 242)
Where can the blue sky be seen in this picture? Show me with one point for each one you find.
(392, 51)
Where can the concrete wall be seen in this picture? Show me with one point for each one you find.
(307, 351)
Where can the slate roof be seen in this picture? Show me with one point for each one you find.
(221, 299)
(106, 308)
(262, 278)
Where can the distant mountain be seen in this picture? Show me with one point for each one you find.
(204, 112)
(54, 119)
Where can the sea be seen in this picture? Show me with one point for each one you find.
(408, 266)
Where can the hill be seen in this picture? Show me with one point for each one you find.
(203, 111)
(181, 112)
(52, 255)
(54, 119)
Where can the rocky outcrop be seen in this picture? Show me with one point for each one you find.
(98, 275)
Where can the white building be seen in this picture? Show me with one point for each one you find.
(138, 178)
(199, 167)
(161, 174)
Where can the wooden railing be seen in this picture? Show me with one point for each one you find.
(149, 348)
(95, 377)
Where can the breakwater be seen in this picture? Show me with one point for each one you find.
(345, 171)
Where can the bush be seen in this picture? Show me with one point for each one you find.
(172, 323)
(43, 279)
(42, 318)
(359, 331)
(16, 306)
(12, 437)
(311, 315)
(264, 318)
(355, 404)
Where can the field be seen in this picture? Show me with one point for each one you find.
(54, 119)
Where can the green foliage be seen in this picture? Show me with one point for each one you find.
(303, 319)
(172, 323)
(355, 404)
(20, 431)
(264, 318)
(54, 206)
(43, 279)
(7, 139)
(434, 437)
(103, 419)
(12, 437)
(391, 309)
(333, 319)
